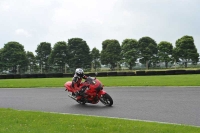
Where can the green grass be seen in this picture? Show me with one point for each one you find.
(167, 80)
(14, 121)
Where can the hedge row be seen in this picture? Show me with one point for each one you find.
(146, 73)
(102, 74)
(17, 76)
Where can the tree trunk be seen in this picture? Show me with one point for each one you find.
(166, 64)
(147, 65)
(185, 64)
(130, 66)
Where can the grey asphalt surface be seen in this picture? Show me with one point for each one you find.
(161, 104)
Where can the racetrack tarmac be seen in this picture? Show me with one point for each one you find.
(179, 105)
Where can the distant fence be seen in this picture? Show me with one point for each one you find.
(102, 74)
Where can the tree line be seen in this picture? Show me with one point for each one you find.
(65, 56)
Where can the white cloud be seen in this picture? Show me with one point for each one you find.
(22, 32)
(4, 7)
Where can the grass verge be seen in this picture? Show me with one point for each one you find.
(166, 80)
(14, 121)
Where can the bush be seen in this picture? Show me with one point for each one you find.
(41, 75)
(17, 76)
(170, 72)
(111, 73)
(3, 76)
(102, 74)
(139, 73)
(10, 76)
(150, 72)
(130, 74)
(68, 75)
(58, 75)
(197, 71)
(25, 75)
(33, 75)
(190, 71)
(180, 72)
(160, 72)
(49, 75)
(121, 73)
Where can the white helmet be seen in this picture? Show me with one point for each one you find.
(79, 72)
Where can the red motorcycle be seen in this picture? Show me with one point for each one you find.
(93, 93)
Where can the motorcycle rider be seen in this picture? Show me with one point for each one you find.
(76, 80)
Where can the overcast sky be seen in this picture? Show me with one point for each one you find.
(30, 22)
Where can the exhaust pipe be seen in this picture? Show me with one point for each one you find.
(72, 97)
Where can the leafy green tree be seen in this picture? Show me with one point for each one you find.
(43, 52)
(186, 50)
(13, 55)
(165, 50)
(110, 54)
(32, 64)
(129, 52)
(148, 50)
(59, 55)
(96, 58)
(1, 62)
(79, 54)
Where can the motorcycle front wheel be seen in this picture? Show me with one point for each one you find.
(106, 99)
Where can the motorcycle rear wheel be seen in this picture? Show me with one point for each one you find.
(106, 99)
